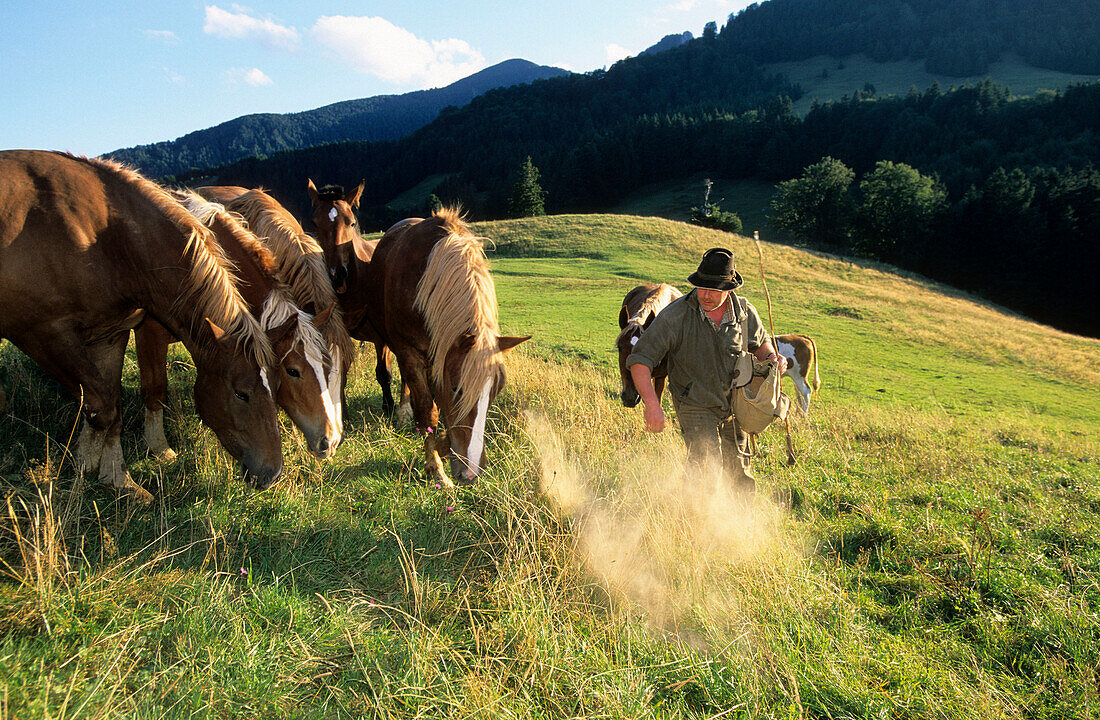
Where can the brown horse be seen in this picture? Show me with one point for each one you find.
(640, 306)
(299, 376)
(348, 256)
(87, 249)
(431, 297)
(302, 265)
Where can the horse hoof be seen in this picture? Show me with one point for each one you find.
(137, 495)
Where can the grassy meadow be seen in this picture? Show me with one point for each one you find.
(824, 78)
(933, 553)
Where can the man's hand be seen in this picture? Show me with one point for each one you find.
(643, 380)
(654, 417)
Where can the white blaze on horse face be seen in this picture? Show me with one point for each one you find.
(332, 215)
(317, 363)
(334, 390)
(477, 437)
(263, 379)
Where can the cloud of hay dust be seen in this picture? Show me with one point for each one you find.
(692, 556)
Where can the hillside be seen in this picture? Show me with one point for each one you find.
(932, 554)
(383, 117)
(824, 78)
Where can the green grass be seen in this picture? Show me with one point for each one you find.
(932, 554)
(825, 78)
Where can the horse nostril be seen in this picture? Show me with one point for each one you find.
(322, 446)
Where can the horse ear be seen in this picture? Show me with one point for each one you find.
(353, 197)
(312, 191)
(277, 334)
(214, 329)
(622, 317)
(321, 319)
(649, 320)
(504, 344)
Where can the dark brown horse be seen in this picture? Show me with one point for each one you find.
(348, 256)
(298, 379)
(301, 264)
(640, 306)
(87, 249)
(431, 298)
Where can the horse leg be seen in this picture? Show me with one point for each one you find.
(803, 390)
(151, 341)
(659, 386)
(426, 416)
(383, 375)
(93, 374)
(107, 356)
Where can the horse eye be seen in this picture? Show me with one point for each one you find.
(243, 397)
(292, 372)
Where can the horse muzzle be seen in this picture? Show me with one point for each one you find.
(339, 278)
(261, 478)
(630, 398)
(460, 472)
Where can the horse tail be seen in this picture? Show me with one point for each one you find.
(814, 360)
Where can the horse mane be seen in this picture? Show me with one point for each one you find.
(209, 291)
(652, 305)
(300, 260)
(279, 305)
(456, 297)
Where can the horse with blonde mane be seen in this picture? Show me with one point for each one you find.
(88, 249)
(302, 265)
(298, 375)
(348, 256)
(432, 299)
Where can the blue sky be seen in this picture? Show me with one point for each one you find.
(89, 76)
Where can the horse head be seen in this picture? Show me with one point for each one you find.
(464, 402)
(233, 397)
(300, 381)
(632, 330)
(337, 228)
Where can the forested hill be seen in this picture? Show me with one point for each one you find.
(1015, 178)
(953, 37)
(383, 117)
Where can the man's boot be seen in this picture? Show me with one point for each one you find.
(740, 475)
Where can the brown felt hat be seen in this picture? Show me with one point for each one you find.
(716, 271)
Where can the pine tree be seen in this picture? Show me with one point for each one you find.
(528, 197)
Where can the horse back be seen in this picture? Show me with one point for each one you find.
(58, 237)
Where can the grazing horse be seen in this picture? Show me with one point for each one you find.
(302, 362)
(432, 299)
(302, 265)
(88, 248)
(640, 306)
(348, 256)
(801, 353)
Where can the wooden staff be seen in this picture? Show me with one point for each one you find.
(791, 460)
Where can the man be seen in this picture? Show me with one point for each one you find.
(702, 334)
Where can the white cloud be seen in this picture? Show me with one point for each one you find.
(240, 25)
(375, 46)
(173, 77)
(249, 76)
(615, 53)
(683, 6)
(165, 36)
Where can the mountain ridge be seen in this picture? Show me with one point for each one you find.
(371, 119)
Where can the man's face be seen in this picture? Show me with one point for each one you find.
(710, 300)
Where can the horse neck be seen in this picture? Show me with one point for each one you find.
(255, 281)
(166, 279)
